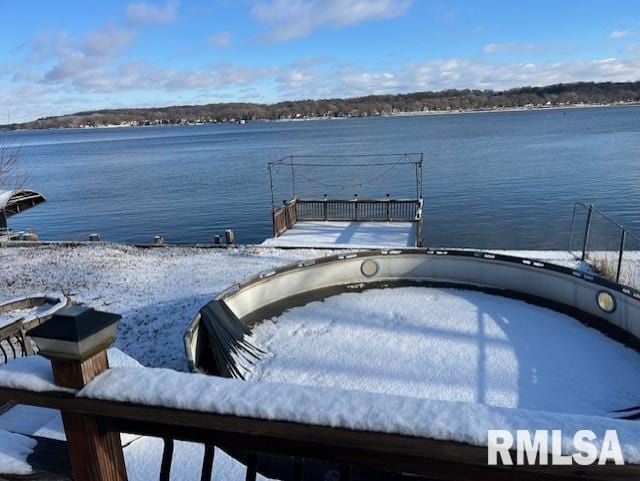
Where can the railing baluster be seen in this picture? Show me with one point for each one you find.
(25, 344)
(343, 210)
(345, 472)
(298, 470)
(167, 457)
(207, 462)
(13, 349)
(252, 467)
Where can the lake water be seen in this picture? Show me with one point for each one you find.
(501, 180)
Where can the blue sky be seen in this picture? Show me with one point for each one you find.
(67, 56)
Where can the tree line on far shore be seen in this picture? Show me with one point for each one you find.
(571, 94)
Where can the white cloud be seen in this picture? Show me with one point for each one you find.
(291, 19)
(107, 42)
(220, 40)
(351, 80)
(511, 47)
(147, 13)
(83, 61)
(618, 34)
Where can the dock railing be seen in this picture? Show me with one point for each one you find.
(348, 210)
(94, 419)
(612, 249)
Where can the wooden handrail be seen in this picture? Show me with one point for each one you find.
(392, 452)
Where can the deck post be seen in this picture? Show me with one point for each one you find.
(75, 340)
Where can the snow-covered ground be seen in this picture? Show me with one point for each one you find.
(346, 234)
(157, 291)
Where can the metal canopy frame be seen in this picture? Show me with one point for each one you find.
(13, 202)
(334, 161)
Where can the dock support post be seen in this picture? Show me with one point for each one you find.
(355, 199)
(388, 209)
(95, 454)
(325, 208)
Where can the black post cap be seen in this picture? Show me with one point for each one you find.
(74, 324)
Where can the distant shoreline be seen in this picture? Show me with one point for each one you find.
(418, 113)
(442, 102)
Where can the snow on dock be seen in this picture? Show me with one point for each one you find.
(346, 234)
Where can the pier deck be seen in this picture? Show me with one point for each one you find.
(341, 234)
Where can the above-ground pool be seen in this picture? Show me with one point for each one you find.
(477, 337)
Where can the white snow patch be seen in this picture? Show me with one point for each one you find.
(14, 451)
(351, 234)
(33, 373)
(449, 345)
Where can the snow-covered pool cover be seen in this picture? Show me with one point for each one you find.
(352, 234)
(449, 345)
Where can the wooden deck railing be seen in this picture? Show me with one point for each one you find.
(258, 442)
(92, 426)
(349, 210)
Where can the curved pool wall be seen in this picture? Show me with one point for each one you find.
(226, 320)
